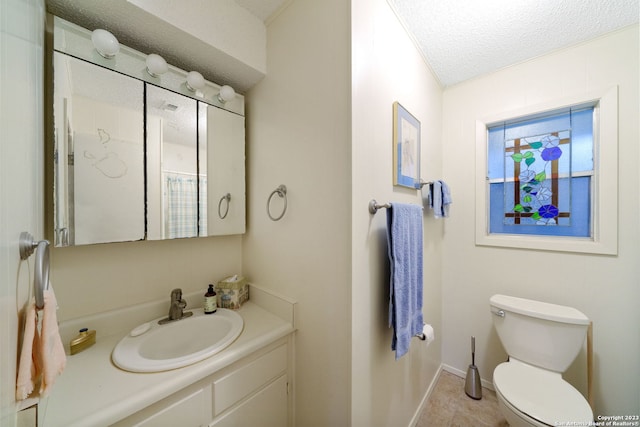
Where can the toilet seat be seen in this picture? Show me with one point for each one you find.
(540, 394)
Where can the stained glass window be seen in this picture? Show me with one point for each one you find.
(540, 173)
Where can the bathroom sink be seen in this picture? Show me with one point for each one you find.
(152, 347)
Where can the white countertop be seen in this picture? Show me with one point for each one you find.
(92, 391)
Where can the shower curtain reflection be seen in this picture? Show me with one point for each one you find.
(181, 204)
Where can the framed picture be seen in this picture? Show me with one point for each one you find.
(406, 148)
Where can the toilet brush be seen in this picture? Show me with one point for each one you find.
(472, 385)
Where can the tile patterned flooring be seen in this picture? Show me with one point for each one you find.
(449, 406)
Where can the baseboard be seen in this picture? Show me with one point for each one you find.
(463, 374)
(423, 403)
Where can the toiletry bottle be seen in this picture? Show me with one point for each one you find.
(210, 303)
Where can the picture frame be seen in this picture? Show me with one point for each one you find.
(406, 148)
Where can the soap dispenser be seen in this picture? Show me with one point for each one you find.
(210, 303)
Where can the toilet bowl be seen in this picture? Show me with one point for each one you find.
(541, 340)
(531, 396)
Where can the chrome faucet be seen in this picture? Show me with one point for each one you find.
(176, 307)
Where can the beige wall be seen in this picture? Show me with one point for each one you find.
(298, 135)
(386, 67)
(605, 288)
(328, 252)
(95, 278)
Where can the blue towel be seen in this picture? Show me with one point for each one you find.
(435, 198)
(439, 198)
(446, 198)
(404, 233)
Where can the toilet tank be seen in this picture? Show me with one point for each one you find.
(538, 333)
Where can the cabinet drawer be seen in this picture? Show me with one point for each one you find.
(267, 408)
(236, 385)
(187, 408)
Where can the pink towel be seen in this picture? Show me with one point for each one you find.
(42, 357)
(51, 348)
(28, 365)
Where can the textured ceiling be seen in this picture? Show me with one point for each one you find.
(459, 39)
(462, 39)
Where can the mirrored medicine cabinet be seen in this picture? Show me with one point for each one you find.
(139, 157)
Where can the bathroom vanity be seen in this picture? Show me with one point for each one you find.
(248, 383)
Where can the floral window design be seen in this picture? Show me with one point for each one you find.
(540, 172)
(536, 164)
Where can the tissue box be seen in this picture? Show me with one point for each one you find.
(232, 292)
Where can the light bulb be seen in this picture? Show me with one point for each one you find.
(105, 43)
(156, 65)
(226, 94)
(195, 81)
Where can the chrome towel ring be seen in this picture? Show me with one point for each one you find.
(281, 191)
(27, 245)
(226, 197)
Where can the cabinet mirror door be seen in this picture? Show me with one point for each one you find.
(173, 183)
(139, 157)
(98, 154)
(226, 166)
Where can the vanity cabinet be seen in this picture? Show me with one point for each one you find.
(252, 391)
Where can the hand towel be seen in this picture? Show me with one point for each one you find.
(446, 198)
(28, 364)
(435, 198)
(439, 198)
(52, 350)
(42, 357)
(404, 233)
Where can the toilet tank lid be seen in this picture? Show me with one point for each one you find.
(539, 309)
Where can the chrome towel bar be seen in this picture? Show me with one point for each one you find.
(374, 206)
(423, 183)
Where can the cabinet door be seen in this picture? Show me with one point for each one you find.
(226, 173)
(267, 408)
(99, 162)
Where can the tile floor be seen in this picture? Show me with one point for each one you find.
(449, 406)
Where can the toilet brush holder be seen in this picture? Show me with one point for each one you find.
(472, 384)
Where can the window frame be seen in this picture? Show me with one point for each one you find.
(604, 239)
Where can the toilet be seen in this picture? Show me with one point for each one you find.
(542, 340)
